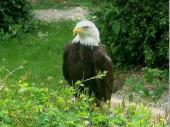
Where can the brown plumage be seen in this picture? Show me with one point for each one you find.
(82, 62)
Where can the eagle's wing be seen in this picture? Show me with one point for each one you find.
(102, 62)
(66, 62)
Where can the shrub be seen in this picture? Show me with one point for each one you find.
(27, 105)
(24, 104)
(136, 32)
(15, 14)
(153, 83)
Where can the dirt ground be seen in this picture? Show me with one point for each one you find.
(76, 13)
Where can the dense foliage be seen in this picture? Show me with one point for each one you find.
(152, 83)
(25, 104)
(14, 14)
(135, 31)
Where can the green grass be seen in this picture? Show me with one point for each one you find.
(42, 49)
(60, 4)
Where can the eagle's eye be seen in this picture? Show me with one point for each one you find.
(85, 27)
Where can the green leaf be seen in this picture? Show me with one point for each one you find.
(116, 26)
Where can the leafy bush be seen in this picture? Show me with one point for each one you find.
(24, 104)
(153, 83)
(15, 14)
(136, 32)
(28, 105)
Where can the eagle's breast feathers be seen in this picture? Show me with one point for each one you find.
(82, 62)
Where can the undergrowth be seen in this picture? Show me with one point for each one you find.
(25, 104)
(152, 83)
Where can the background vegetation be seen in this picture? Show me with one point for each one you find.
(15, 17)
(25, 104)
(136, 32)
(59, 4)
(41, 50)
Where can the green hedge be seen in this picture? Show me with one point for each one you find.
(14, 15)
(136, 32)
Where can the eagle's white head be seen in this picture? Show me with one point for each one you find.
(86, 33)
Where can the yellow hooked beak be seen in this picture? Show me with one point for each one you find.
(77, 30)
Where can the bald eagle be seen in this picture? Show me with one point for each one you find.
(85, 57)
